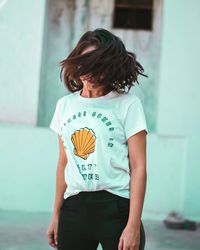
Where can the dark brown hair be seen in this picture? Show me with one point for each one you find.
(110, 64)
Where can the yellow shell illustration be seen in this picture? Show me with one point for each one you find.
(84, 142)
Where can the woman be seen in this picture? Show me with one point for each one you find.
(101, 172)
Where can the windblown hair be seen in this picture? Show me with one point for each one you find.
(109, 64)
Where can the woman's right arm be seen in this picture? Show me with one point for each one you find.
(60, 178)
(52, 231)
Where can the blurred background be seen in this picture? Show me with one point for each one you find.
(34, 37)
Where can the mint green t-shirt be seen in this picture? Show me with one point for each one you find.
(94, 132)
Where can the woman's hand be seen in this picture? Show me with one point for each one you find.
(52, 232)
(129, 239)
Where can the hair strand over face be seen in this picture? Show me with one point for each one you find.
(109, 64)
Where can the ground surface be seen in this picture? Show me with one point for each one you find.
(26, 231)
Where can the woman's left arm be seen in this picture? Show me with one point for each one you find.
(138, 176)
(130, 237)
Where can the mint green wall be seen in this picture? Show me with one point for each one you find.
(28, 164)
(21, 31)
(179, 89)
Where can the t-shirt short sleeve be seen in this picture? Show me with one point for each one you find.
(55, 123)
(135, 120)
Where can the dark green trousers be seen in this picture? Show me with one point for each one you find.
(90, 218)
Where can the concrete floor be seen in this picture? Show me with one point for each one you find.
(27, 231)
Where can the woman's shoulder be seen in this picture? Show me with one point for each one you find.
(129, 97)
(65, 98)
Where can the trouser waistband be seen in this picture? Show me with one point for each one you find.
(99, 195)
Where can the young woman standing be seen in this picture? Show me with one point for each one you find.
(101, 127)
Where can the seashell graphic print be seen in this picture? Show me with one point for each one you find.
(84, 142)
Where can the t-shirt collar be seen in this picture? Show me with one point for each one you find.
(109, 95)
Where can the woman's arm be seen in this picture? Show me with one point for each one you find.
(137, 162)
(60, 180)
(52, 231)
(130, 237)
